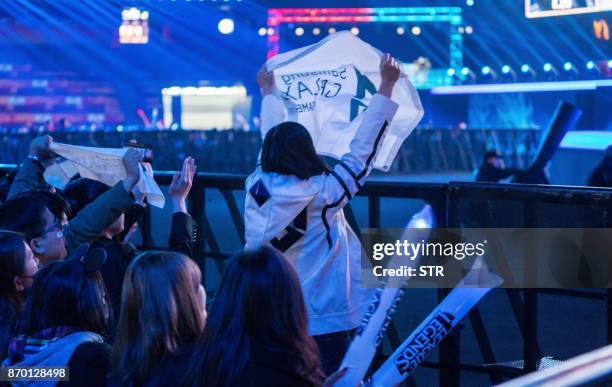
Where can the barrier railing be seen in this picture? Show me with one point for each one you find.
(425, 150)
(386, 204)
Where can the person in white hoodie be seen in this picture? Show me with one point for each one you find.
(294, 202)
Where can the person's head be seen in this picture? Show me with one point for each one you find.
(29, 215)
(288, 150)
(59, 207)
(17, 268)
(493, 158)
(259, 304)
(163, 305)
(67, 293)
(81, 192)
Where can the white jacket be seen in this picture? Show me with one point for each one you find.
(304, 219)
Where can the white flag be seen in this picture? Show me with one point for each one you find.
(326, 86)
(103, 165)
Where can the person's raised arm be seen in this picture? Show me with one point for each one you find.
(94, 218)
(272, 107)
(30, 173)
(355, 166)
(183, 226)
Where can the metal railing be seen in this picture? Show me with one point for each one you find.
(425, 150)
(455, 205)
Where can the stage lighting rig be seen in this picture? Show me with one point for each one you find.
(134, 28)
(226, 26)
(468, 75)
(550, 72)
(570, 70)
(488, 73)
(508, 73)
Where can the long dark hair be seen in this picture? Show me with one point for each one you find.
(288, 150)
(64, 294)
(160, 311)
(259, 303)
(12, 263)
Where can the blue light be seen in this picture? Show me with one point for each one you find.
(568, 66)
(590, 65)
(450, 72)
(524, 68)
(486, 70)
(593, 140)
(610, 64)
(547, 67)
(465, 71)
(506, 69)
(469, 2)
(521, 87)
(226, 26)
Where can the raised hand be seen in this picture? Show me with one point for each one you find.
(390, 73)
(131, 160)
(181, 185)
(40, 147)
(265, 80)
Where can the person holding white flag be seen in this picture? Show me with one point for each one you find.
(294, 202)
(33, 210)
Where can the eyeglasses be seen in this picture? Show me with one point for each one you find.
(57, 225)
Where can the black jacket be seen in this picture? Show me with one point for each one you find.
(89, 365)
(169, 372)
(271, 368)
(9, 325)
(119, 256)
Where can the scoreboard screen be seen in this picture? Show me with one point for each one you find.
(546, 8)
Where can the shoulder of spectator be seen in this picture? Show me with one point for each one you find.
(91, 353)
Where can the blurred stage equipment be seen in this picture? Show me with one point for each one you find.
(204, 107)
(134, 27)
(564, 119)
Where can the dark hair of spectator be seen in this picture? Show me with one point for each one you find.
(24, 213)
(160, 311)
(63, 294)
(259, 304)
(12, 263)
(288, 150)
(55, 203)
(81, 192)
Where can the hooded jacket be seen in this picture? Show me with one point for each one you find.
(84, 353)
(304, 219)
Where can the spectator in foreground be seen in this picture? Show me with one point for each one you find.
(257, 330)
(163, 312)
(17, 269)
(41, 217)
(120, 254)
(65, 316)
(295, 203)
